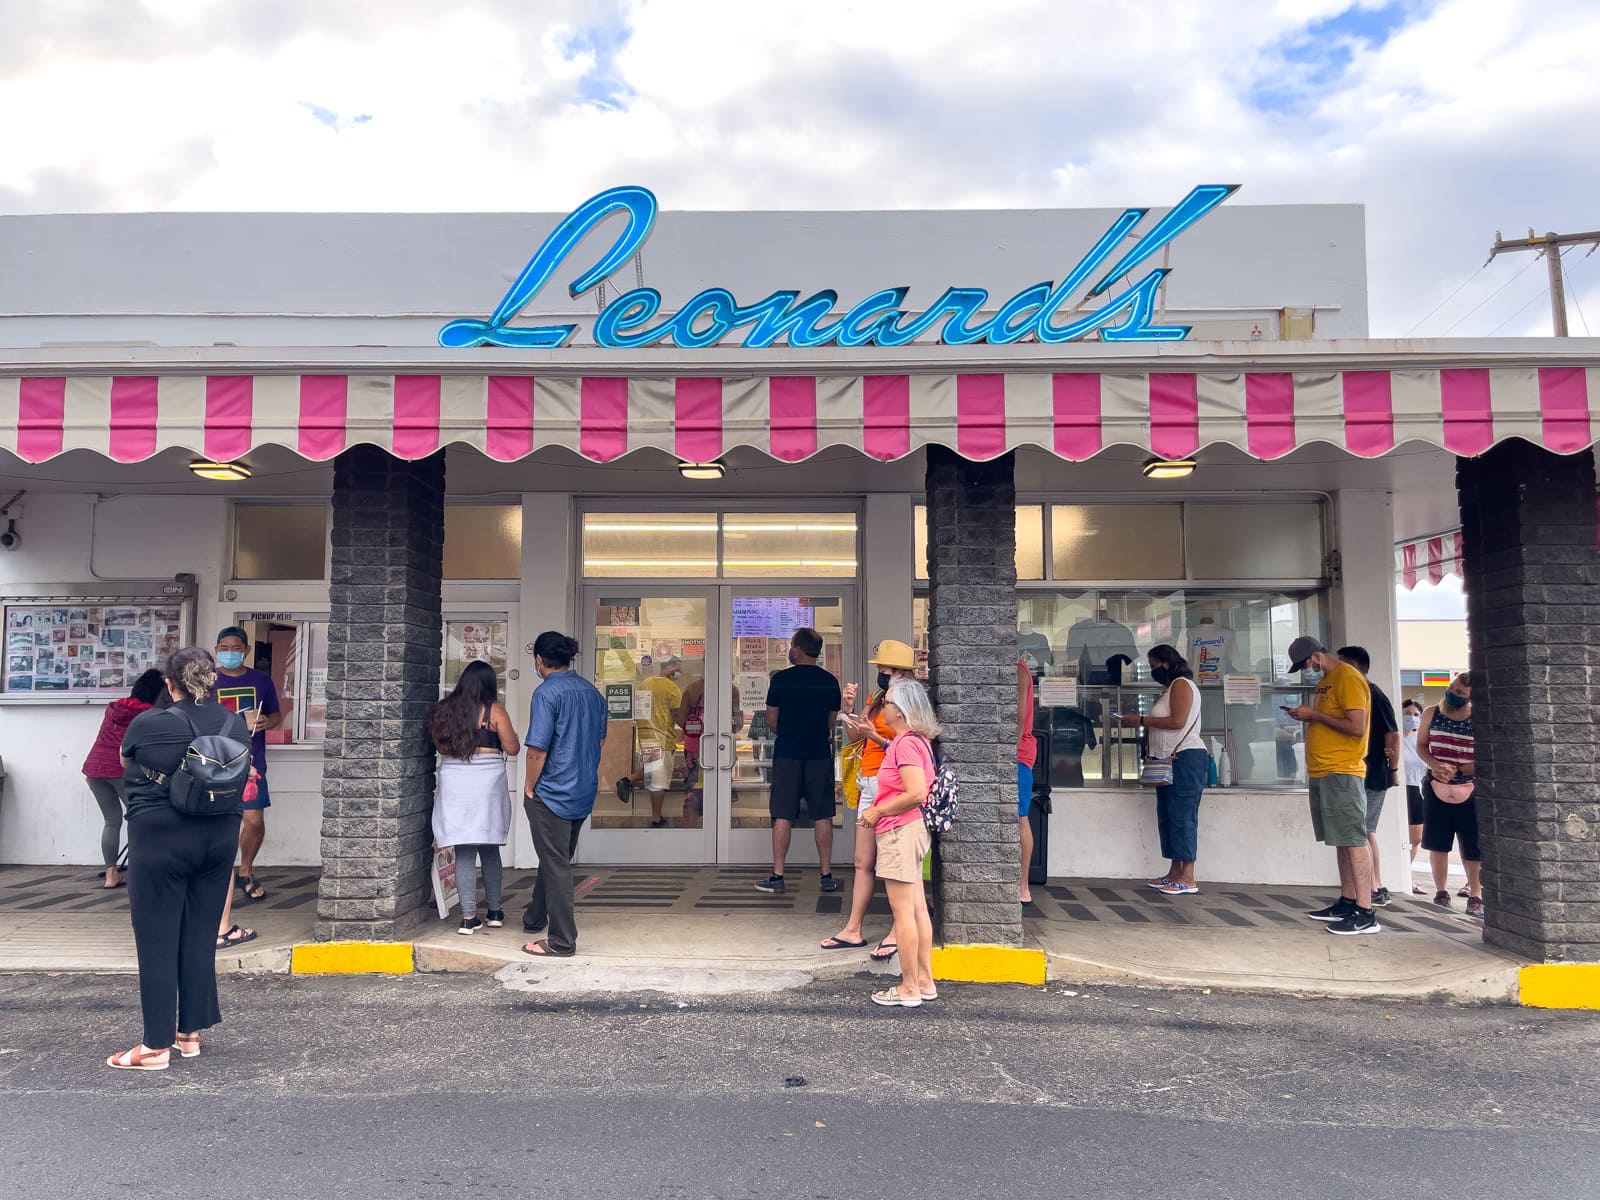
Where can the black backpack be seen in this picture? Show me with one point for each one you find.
(210, 780)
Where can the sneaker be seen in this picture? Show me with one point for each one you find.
(661, 824)
(772, 884)
(828, 883)
(495, 918)
(469, 925)
(1360, 920)
(1336, 911)
(1380, 898)
(1442, 899)
(1475, 907)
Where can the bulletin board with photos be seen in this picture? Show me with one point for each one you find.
(74, 647)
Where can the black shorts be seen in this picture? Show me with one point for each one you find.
(801, 786)
(1444, 823)
(1415, 807)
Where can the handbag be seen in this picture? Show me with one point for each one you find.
(850, 772)
(1157, 771)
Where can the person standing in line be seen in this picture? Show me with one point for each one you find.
(1383, 762)
(895, 819)
(251, 694)
(183, 866)
(658, 735)
(472, 732)
(1447, 746)
(894, 660)
(1336, 764)
(1027, 757)
(102, 769)
(566, 726)
(807, 700)
(1174, 724)
(691, 718)
(1415, 772)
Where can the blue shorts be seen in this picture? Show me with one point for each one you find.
(1024, 789)
(263, 798)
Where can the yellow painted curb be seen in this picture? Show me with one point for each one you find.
(1560, 985)
(353, 958)
(989, 964)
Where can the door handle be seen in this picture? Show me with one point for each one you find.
(727, 741)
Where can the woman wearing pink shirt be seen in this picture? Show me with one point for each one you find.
(903, 840)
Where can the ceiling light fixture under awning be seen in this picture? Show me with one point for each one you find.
(222, 472)
(1169, 468)
(705, 470)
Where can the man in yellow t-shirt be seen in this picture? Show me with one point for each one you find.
(1336, 752)
(658, 735)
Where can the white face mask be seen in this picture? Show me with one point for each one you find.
(1412, 723)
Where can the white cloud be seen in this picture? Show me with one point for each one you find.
(1460, 121)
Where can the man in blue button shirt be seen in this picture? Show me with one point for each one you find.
(566, 724)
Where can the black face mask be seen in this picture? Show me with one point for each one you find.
(883, 681)
(1161, 675)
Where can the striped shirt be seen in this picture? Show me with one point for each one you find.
(1450, 741)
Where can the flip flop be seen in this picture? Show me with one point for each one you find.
(834, 943)
(884, 952)
(541, 949)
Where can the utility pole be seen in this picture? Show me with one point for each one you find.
(1550, 246)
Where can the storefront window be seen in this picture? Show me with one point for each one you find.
(1254, 541)
(293, 649)
(280, 541)
(483, 541)
(725, 545)
(650, 545)
(1116, 541)
(1087, 647)
(469, 640)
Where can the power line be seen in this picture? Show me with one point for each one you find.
(1491, 295)
(1447, 299)
(1577, 303)
(1545, 245)
(1525, 307)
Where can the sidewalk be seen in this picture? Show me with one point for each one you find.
(706, 930)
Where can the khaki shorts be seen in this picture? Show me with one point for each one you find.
(1339, 810)
(901, 851)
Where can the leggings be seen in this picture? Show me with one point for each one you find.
(183, 867)
(108, 795)
(468, 858)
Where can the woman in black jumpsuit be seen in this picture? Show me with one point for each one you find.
(181, 868)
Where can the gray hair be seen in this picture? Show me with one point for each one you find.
(911, 698)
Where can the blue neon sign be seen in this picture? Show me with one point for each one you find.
(1047, 311)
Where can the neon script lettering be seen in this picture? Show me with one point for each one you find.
(1045, 311)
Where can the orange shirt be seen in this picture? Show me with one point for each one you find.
(872, 753)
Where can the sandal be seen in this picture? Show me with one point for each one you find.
(885, 951)
(188, 1044)
(838, 943)
(541, 949)
(252, 889)
(140, 1058)
(235, 937)
(891, 998)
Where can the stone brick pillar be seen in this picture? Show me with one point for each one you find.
(972, 626)
(1532, 576)
(383, 677)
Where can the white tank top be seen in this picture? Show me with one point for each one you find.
(1164, 743)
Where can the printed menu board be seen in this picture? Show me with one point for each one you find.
(86, 648)
(770, 616)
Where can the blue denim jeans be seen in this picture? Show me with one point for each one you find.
(1178, 806)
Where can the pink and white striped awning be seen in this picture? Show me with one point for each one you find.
(1430, 558)
(1075, 415)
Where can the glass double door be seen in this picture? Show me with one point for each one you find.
(686, 764)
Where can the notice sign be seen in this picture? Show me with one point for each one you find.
(1058, 693)
(1241, 689)
(619, 701)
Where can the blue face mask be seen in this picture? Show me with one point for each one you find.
(1451, 700)
(230, 660)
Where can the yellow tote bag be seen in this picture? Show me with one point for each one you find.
(850, 770)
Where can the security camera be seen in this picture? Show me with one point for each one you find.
(11, 539)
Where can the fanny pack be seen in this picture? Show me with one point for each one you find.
(1453, 793)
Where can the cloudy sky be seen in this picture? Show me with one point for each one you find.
(1449, 119)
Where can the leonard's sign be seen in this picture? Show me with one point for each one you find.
(1048, 312)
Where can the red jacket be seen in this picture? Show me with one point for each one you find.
(105, 757)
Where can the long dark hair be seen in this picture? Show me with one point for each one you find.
(1168, 657)
(455, 720)
(148, 686)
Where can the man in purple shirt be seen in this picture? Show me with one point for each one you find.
(251, 694)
